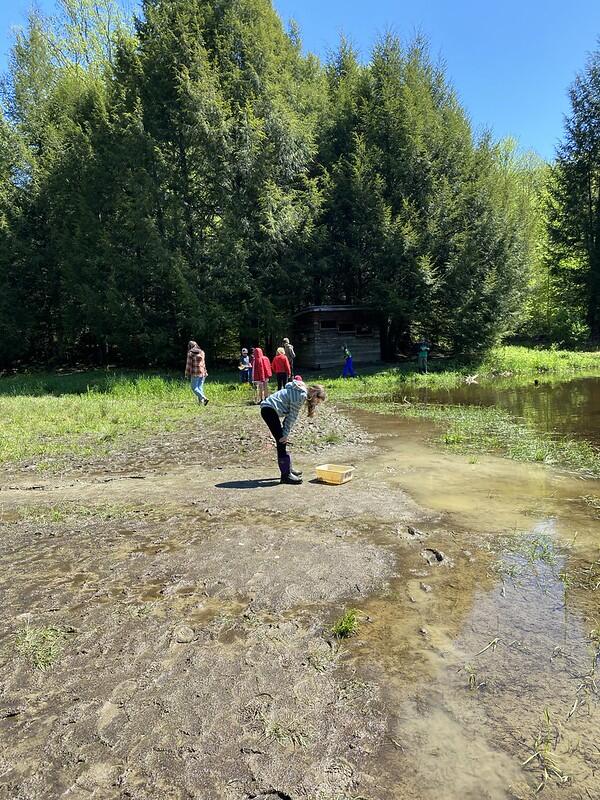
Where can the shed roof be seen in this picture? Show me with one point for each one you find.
(315, 309)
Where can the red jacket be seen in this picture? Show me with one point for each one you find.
(267, 366)
(281, 364)
(261, 366)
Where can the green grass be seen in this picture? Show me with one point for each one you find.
(526, 360)
(40, 646)
(521, 556)
(474, 429)
(544, 756)
(91, 422)
(533, 549)
(346, 625)
(509, 365)
(49, 417)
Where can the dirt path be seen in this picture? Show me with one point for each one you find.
(193, 605)
(191, 608)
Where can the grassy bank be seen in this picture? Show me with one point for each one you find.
(85, 420)
(86, 412)
(504, 365)
(500, 363)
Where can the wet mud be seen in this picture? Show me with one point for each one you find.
(192, 606)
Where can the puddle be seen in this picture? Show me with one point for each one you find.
(563, 407)
(491, 661)
(490, 495)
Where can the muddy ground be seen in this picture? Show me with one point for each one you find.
(192, 599)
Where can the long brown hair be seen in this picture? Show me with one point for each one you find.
(315, 392)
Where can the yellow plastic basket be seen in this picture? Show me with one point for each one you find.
(334, 473)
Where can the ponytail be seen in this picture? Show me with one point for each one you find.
(315, 392)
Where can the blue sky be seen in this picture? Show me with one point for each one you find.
(510, 61)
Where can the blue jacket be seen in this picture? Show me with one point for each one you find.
(288, 403)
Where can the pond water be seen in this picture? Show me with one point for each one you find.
(490, 658)
(566, 407)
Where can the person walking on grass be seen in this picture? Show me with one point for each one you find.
(195, 370)
(287, 404)
(261, 372)
(281, 367)
(289, 354)
(348, 368)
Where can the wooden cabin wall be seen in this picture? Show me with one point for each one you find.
(319, 347)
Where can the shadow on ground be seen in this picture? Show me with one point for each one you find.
(258, 483)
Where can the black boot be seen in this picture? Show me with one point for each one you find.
(296, 472)
(294, 480)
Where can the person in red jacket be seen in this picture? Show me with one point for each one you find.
(281, 368)
(261, 372)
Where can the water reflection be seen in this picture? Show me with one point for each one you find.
(567, 407)
(489, 666)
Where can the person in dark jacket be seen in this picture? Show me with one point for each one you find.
(290, 353)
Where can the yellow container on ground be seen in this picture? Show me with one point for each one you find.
(334, 473)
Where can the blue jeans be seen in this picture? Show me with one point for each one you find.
(198, 387)
(348, 369)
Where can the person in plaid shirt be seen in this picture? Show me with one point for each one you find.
(195, 369)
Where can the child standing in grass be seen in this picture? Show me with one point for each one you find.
(195, 369)
(261, 372)
(422, 357)
(281, 368)
(245, 366)
(348, 366)
(288, 403)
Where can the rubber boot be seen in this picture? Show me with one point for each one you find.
(295, 480)
(296, 472)
(285, 467)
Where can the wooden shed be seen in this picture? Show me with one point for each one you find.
(322, 331)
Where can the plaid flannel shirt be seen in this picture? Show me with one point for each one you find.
(195, 366)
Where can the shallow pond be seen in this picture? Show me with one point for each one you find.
(489, 658)
(565, 407)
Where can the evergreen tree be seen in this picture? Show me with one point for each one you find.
(574, 208)
(194, 174)
(31, 137)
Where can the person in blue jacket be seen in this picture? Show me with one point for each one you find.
(287, 404)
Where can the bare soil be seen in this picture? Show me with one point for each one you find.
(194, 598)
